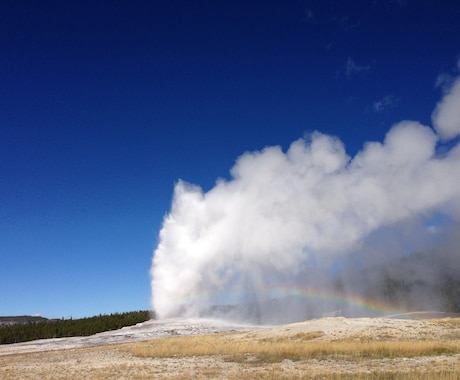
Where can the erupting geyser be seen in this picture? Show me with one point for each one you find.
(295, 220)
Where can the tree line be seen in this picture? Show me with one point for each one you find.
(59, 328)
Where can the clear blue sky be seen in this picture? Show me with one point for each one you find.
(105, 105)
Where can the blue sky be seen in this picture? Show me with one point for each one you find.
(104, 106)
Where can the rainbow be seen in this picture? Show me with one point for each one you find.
(349, 303)
(373, 306)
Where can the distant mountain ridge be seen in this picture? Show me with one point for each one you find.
(22, 320)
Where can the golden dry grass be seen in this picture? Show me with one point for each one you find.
(277, 374)
(448, 322)
(287, 348)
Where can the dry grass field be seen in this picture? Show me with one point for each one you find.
(328, 348)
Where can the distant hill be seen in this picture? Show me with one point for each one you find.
(21, 320)
(421, 281)
(427, 280)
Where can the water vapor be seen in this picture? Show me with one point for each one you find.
(310, 217)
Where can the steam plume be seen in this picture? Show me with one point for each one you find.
(300, 216)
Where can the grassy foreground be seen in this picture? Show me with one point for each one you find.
(383, 350)
(279, 349)
(267, 356)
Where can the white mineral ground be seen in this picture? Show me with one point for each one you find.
(152, 329)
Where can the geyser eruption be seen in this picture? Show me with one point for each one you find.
(307, 222)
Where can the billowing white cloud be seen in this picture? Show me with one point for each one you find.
(282, 212)
(444, 81)
(446, 116)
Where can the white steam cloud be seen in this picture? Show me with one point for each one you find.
(446, 116)
(285, 216)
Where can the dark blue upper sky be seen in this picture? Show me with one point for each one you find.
(105, 105)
